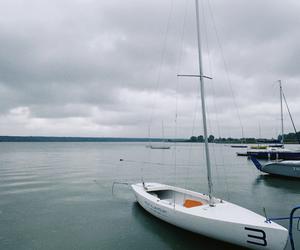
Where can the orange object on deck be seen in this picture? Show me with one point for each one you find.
(192, 203)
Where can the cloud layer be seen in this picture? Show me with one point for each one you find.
(108, 68)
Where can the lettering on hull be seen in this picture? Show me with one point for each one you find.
(296, 169)
(156, 209)
(258, 236)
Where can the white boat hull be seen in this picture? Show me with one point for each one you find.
(284, 168)
(224, 221)
(160, 147)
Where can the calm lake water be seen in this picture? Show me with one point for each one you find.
(59, 195)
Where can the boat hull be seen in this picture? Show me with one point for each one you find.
(239, 146)
(273, 155)
(288, 169)
(219, 222)
(160, 147)
(241, 154)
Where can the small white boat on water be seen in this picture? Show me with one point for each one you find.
(205, 214)
(160, 147)
(221, 220)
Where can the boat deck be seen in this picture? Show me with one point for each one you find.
(179, 198)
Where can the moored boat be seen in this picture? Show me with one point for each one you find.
(277, 151)
(239, 146)
(241, 154)
(223, 220)
(259, 147)
(282, 168)
(159, 147)
(275, 154)
(206, 214)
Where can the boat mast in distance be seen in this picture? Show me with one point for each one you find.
(281, 111)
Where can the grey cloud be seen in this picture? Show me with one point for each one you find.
(66, 59)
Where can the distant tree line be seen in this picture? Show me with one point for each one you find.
(200, 138)
(250, 140)
(290, 138)
(211, 138)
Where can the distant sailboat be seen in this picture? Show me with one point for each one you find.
(160, 145)
(206, 214)
(272, 153)
(239, 146)
(259, 147)
(289, 165)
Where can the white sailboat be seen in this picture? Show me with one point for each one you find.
(277, 151)
(205, 214)
(161, 145)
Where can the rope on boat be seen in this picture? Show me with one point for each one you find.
(188, 164)
(291, 218)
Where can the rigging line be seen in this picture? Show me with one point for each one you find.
(157, 83)
(179, 64)
(214, 103)
(275, 90)
(205, 35)
(288, 109)
(225, 66)
(159, 163)
(211, 73)
(274, 93)
(197, 101)
(162, 57)
(202, 93)
(185, 165)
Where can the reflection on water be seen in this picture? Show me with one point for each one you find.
(288, 184)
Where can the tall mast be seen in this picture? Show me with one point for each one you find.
(281, 112)
(203, 105)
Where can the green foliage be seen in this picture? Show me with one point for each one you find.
(194, 139)
(200, 138)
(290, 137)
(211, 138)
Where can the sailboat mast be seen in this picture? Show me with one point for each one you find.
(203, 104)
(281, 111)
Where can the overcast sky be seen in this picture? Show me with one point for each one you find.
(108, 68)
